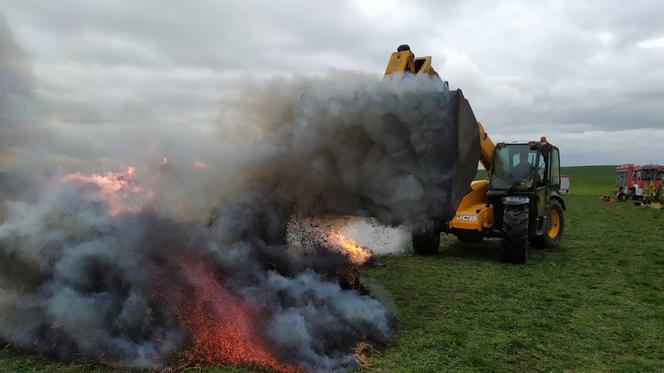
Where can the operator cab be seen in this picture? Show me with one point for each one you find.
(524, 166)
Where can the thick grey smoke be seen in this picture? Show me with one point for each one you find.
(77, 282)
(73, 282)
(154, 265)
(354, 145)
(380, 239)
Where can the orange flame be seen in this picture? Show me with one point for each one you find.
(224, 328)
(356, 253)
(113, 187)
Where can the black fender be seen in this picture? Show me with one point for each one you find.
(515, 200)
(560, 200)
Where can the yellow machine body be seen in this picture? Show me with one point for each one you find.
(474, 213)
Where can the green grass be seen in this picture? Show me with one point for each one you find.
(592, 180)
(594, 304)
(595, 180)
(12, 360)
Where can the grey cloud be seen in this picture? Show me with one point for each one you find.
(18, 107)
(545, 67)
(229, 35)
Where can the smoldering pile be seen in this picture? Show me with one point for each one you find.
(140, 288)
(153, 266)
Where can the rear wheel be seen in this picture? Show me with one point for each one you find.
(515, 233)
(426, 242)
(553, 231)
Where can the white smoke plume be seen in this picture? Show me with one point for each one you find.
(379, 238)
(369, 233)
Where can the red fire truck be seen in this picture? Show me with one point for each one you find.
(630, 179)
(624, 181)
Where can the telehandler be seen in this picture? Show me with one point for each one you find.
(519, 203)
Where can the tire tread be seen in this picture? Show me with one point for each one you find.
(515, 234)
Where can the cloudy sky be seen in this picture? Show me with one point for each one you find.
(588, 75)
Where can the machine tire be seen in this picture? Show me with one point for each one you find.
(553, 232)
(468, 236)
(515, 234)
(426, 242)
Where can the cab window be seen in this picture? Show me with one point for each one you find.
(554, 167)
(513, 166)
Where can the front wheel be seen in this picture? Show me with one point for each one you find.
(515, 233)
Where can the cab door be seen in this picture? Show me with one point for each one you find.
(554, 170)
(542, 193)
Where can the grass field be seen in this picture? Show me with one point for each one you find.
(594, 304)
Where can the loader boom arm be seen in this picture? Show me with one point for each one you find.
(486, 148)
